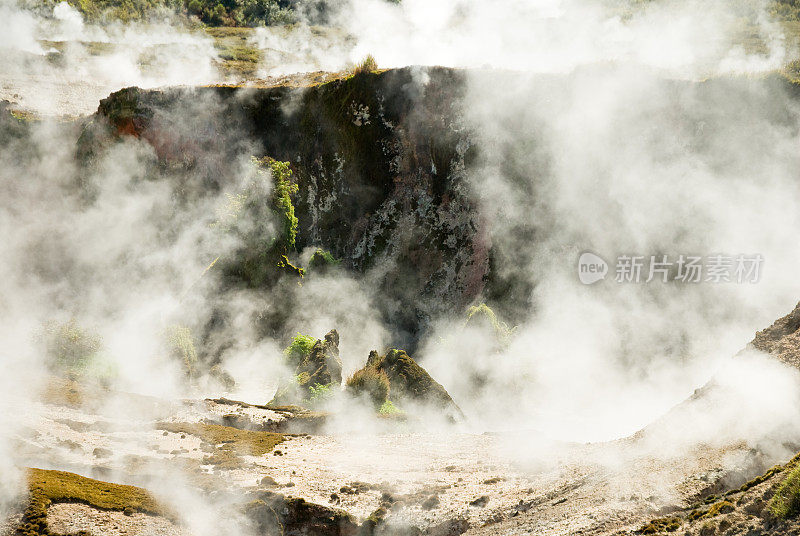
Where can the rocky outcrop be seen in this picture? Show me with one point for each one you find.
(410, 382)
(380, 159)
(272, 513)
(782, 338)
(324, 360)
(321, 367)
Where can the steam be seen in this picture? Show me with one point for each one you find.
(61, 65)
(596, 141)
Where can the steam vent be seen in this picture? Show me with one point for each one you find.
(399, 268)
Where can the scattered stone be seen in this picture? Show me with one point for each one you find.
(480, 502)
(452, 527)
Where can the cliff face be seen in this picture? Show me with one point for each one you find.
(380, 159)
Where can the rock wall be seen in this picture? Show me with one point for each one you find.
(380, 159)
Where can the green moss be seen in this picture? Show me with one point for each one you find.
(49, 487)
(774, 470)
(282, 194)
(299, 348)
(262, 257)
(786, 501)
(720, 507)
(485, 313)
(372, 382)
(696, 514)
(230, 444)
(286, 265)
(662, 524)
(322, 260)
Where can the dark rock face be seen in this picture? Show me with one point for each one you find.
(380, 159)
(782, 338)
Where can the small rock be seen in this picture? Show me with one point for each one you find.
(101, 453)
(480, 502)
(430, 503)
(268, 481)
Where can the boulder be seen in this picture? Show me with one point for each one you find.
(410, 382)
(320, 367)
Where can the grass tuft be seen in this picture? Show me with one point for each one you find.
(786, 501)
(367, 65)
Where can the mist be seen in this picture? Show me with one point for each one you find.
(620, 130)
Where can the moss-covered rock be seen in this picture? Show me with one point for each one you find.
(225, 444)
(48, 487)
(409, 381)
(317, 368)
(370, 382)
(272, 513)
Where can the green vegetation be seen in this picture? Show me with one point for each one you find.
(249, 214)
(388, 408)
(318, 393)
(367, 65)
(240, 12)
(48, 487)
(299, 348)
(322, 260)
(720, 507)
(76, 351)
(662, 524)
(786, 501)
(229, 444)
(182, 347)
(484, 313)
(372, 382)
(282, 198)
(70, 346)
(211, 12)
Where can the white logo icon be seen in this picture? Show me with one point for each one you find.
(591, 268)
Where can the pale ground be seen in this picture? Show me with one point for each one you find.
(71, 518)
(534, 486)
